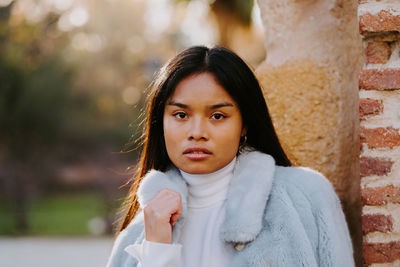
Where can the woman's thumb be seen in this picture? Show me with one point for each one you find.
(174, 218)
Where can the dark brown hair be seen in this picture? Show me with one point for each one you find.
(236, 78)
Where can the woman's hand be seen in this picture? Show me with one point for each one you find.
(160, 214)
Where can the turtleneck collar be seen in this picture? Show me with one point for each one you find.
(207, 189)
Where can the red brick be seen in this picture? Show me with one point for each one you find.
(377, 52)
(376, 222)
(380, 137)
(374, 166)
(376, 196)
(373, 79)
(381, 252)
(369, 107)
(384, 21)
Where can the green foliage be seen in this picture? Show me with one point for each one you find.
(244, 10)
(241, 9)
(33, 103)
(64, 214)
(33, 92)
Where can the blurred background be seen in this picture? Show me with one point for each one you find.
(73, 81)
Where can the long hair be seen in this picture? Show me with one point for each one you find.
(233, 74)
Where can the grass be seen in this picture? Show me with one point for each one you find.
(61, 214)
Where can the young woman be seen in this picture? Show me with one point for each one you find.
(214, 186)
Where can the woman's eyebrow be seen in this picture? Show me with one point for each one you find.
(215, 106)
(225, 104)
(173, 103)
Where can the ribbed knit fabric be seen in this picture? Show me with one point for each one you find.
(200, 244)
(208, 189)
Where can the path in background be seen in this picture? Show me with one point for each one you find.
(50, 252)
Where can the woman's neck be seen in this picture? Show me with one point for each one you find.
(207, 189)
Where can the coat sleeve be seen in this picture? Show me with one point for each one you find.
(130, 235)
(334, 242)
(130, 249)
(155, 254)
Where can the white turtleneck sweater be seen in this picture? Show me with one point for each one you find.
(200, 244)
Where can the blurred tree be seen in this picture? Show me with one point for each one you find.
(230, 14)
(33, 96)
(61, 102)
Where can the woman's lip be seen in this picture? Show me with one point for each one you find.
(197, 156)
(197, 150)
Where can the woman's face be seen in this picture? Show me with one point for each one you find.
(202, 125)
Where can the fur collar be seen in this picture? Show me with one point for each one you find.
(247, 195)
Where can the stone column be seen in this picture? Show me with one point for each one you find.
(310, 80)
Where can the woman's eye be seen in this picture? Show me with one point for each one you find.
(218, 116)
(180, 115)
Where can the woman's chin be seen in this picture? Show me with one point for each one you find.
(197, 167)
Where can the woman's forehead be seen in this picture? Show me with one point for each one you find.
(216, 105)
(200, 88)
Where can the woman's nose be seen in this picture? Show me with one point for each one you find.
(198, 129)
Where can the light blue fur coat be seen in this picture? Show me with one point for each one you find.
(275, 216)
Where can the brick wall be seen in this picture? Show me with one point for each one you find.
(379, 84)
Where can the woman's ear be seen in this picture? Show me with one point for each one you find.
(244, 131)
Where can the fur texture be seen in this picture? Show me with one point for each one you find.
(284, 216)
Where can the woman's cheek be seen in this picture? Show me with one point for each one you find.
(167, 131)
(172, 133)
(233, 138)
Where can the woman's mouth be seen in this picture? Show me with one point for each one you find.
(197, 153)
